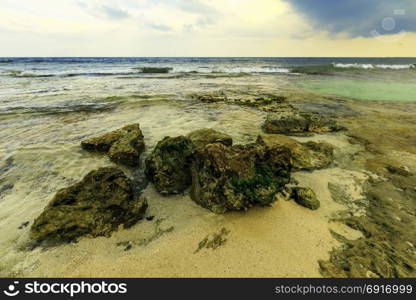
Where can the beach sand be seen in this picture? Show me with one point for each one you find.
(284, 240)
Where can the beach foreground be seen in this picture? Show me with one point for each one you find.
(365, 226)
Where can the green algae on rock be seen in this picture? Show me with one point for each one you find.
(305, 156)
(123, 145)
(206, 136)
(96, 206)
(226, 178)
(305, 197)
(168, 166)
(292, 122)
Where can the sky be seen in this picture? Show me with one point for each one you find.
(207, 28)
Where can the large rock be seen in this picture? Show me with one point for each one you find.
(291, 122)
(168, 166)
(203, 137)
(305, 156)
(228, 178)
(96, 206)
(123, 146)
(305, 197)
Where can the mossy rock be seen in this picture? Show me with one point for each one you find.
(305, 197)
(226, 178)
(96, 206)
(123, 146)
(305, 156)
(206, 136)
(168, 166)
(294, 123)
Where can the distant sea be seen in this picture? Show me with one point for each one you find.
(116, 66)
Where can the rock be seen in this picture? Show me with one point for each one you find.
(123, 146)
(292, 122)
(211, 97)
(251, 98)
(402, 171)
(228, 178)
(95, 206)
(168, 166)
(306, 197)
(329, 270)
(305, 156)
(203, 137)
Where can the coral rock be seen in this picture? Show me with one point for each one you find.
(294, 123)
(228, 178)
(305, 156)
(306, 197)
(168, 166)
(123, 146)
(95, 206)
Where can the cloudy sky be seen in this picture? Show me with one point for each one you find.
(207, 27)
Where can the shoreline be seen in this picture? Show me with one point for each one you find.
(285, 240)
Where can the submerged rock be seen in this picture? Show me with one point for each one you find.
(203, 137)
(96, 206)
(290, 122)
(257, 99)
(228, 178)
(123, 146)
(305, 156)
(168, 166)
(305, 197)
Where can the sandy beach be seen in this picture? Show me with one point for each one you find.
(366, 194)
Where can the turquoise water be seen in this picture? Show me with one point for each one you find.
(366, 89)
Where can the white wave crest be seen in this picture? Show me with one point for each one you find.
(233, 69)
(373, 66)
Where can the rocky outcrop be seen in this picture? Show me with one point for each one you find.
(226, 178)
(123, 146)
(96, 206)
(261, 100)
(305, 156)
(168, 166)
(203, 137)
(305, 197)
(293, 122)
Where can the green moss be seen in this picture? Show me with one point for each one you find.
(168, 166)
(260, 188)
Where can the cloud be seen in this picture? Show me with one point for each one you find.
(205, 13)
(114, 13)
(105, 11)
(160, 27)
(359, 18)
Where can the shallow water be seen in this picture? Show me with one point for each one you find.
(365, 89)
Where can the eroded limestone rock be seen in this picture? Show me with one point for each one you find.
(226, 178)
(203, 137)
(123, 146)
(305, 156)
(96, 206)
(168, 166)
(293, 122)
(305, 197)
